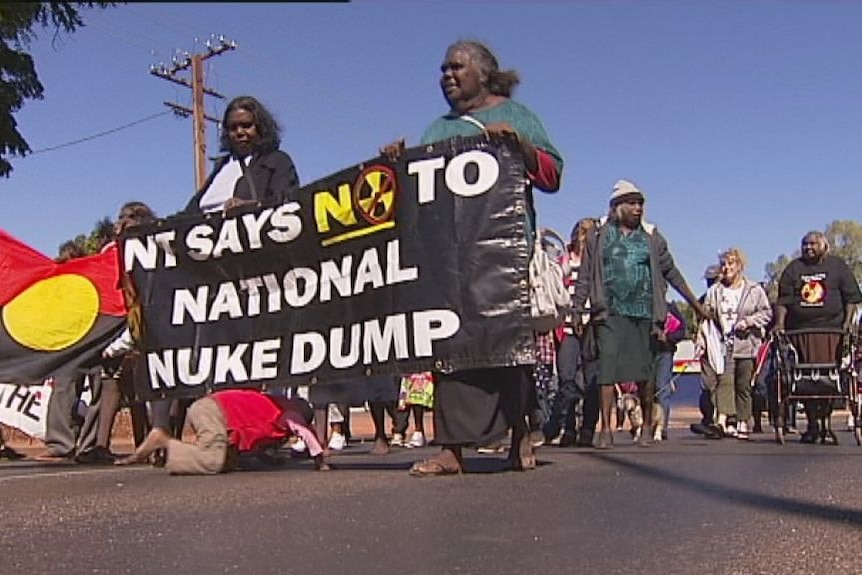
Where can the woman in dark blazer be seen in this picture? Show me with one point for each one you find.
(254, 168)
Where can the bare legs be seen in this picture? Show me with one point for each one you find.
(521, 456)
(107, 412)
(378, 417)
(158, 438)
(608, 402)
(646, 390)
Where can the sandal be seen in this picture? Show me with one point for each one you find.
(51, 457)
(10, 454)
(433, 468)
(606, 440)
(523, 458)
(380, 447)
(523, 463)
(132, 459)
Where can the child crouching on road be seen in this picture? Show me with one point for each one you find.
(227, 423)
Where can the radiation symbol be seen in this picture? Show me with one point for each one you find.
(374, 194)
(813, 291)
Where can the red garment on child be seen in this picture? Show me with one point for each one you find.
(628, 387)
(252, 418)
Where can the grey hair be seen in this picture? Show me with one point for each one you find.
(499, 82)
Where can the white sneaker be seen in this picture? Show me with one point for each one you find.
(397, 440)
(298, 445)
(492, 448)
(417, 439)
(337, 442)
(850, 422)
(656, 436)
(730, 431)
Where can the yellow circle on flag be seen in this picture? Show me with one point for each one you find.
(53, 313)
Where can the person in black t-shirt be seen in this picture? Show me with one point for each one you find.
(816, 290)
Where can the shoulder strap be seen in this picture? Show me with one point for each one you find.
(472, 120)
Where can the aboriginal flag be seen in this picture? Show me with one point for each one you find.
(55, 317)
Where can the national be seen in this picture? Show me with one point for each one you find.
(298, 287)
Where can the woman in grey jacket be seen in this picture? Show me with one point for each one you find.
(625, 271)
(741, 312)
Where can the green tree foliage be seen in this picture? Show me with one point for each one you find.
(690, 316)
(845, 241)
(773, 273)
(18, 78)
(89, 244)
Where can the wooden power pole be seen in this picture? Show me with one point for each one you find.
(194, 62)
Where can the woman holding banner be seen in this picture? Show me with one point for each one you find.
(254, 168)
(476, 407)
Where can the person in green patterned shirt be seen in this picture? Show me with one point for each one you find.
(624, 273)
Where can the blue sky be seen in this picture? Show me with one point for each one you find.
(740, 120)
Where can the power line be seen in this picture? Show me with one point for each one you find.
(99, 135)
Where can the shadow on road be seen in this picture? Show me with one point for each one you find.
(741, 496)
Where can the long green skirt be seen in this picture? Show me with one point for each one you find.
(625, 350)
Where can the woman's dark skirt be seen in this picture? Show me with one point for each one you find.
(625, 352)
(478, 406)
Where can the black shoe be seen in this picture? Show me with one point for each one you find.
(272, 457)
(10, 454)
(829, 438)
(808, 437)
(96, 456)
(585, 439)
(714, 431)
(568, 439)
(160, 458)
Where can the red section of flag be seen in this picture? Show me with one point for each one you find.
(21, 266)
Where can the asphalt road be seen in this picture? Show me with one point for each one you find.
(686, 506)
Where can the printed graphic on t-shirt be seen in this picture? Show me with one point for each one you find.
(813, 292)
(728, 306)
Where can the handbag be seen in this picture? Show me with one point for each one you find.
(549, 298)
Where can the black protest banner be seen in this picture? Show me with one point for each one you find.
(381, 268)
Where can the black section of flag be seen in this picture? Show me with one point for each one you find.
(21, 365)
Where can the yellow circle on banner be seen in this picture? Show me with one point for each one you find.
(53, 313)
